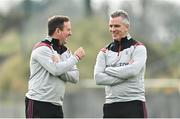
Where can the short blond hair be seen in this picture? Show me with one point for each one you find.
(121, 13)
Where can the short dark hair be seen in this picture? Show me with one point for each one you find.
(56, 22)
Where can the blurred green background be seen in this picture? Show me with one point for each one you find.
(24, 22)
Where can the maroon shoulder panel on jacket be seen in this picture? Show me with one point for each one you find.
(138, 43)
(41, 44)
(104, 49)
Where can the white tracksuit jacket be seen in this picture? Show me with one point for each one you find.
(47, 79)
(120, 67)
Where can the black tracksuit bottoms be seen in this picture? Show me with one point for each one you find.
(131, 109)
(39, 109)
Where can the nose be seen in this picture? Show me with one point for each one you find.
(112, 29)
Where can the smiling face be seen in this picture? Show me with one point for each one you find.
(118, 28)
(65, 33)
(59, 27)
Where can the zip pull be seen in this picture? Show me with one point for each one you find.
(119, 49)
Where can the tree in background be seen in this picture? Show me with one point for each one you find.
(88, 8)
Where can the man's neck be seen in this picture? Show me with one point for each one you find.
(59, 41)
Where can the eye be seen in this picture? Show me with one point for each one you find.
(117, 26)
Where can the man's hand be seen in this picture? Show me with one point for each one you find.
(55, 58)
(131, 61)
(80, 53)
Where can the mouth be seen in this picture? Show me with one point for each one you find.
(114, 34)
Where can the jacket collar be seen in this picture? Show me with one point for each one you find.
(55, 45)
(128, 37)
(53, 41)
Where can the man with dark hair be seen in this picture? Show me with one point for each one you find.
(120, 66)
(52, 64)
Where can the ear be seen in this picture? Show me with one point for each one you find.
(127, 26)
(57, 30)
